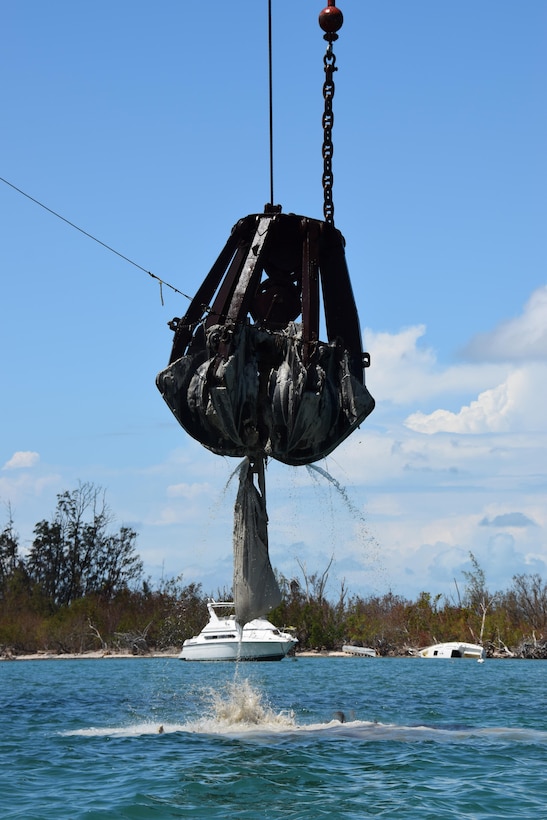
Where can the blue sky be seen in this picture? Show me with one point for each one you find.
(147, 125)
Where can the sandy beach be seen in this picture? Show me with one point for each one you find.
(104, 655)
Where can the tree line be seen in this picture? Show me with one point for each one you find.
(80, 587)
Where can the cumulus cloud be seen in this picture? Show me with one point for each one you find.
(522, 338)
(506, 369)
(515, 405)
(487, 414)
(22, 459)
(404, 370)
(397, 362)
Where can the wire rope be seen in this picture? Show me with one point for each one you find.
(161, 282)
(270, 89)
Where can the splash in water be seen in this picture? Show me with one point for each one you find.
(236, 707)
(238, 703)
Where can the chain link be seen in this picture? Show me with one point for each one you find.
(329, 62)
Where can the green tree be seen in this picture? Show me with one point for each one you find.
(379, 622)
(46, 561)
(9, 552)
(181, 611)
(76, 554)
(320, 623)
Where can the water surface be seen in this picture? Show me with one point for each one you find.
(159, 738)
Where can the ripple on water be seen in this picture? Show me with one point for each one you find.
(266, 745)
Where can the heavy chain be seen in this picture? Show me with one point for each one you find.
(329, 61)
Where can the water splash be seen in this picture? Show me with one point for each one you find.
(236, 707)
(240, 704)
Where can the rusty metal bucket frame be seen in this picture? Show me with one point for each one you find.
(238, 271)
(244, 378)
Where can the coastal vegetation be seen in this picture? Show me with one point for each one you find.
(80, 587)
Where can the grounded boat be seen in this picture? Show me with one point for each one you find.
(454, 649)
(223, 640)
(361, 651)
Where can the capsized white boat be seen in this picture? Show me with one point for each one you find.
(453, 649)
(362, 651)
(223, 640)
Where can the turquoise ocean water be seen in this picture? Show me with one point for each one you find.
(422, 739)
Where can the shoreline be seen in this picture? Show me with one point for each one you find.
(174, 654)
(105, 655)
(77, 656)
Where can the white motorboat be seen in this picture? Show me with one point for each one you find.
(453, 649)
(223, 640)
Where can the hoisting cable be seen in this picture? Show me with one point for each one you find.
(162, 282)
(270, 85)
(206, 308)
(330, 20)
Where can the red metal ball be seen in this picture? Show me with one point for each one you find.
(331, 19)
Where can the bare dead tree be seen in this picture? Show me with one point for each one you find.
(315, 584)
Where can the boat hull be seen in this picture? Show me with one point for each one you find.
(453, 649)
(222, 639)
(360, 651)
(235, 651)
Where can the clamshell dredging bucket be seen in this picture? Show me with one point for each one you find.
(248, 374)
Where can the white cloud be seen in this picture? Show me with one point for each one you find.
(522, 338)
(397, 362)
(188, 491)
(509, 361)
(489, 413)
(515, 405)
(404, 371)
(22, 459)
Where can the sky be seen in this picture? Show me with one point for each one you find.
(147, 125)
